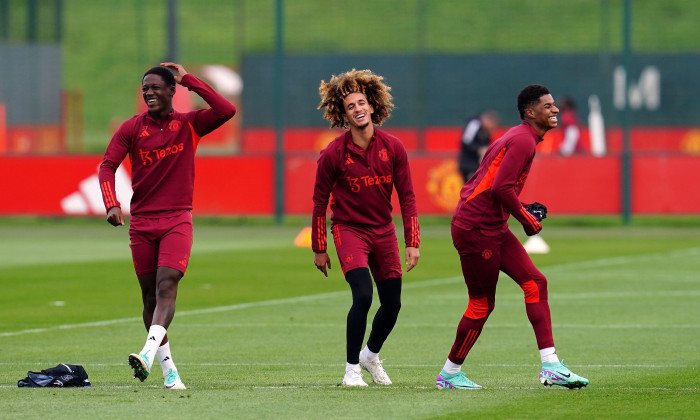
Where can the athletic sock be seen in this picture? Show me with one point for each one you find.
(468, 332)
(368, 354)
(349, 366)
(549, 355)
(153, 340)
(451, 367)
(165, 359)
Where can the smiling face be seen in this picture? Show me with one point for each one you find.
(358, 111)
(543, 114)
(158, 95)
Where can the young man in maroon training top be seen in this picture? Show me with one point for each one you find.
(161, 144)
(358, 171)
(486, 246)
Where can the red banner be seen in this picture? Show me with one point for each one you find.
(227, 185)
(577, 185)
(68, 185)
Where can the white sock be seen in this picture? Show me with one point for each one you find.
(349, 366)
(165, 358)
(367, 354)
(153, 340)
(549, 355)
(451, 368)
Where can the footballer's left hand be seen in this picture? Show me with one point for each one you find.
(412, 255)
(538, 210)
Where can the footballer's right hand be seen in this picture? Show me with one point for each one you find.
(321, 261)
(115, 216)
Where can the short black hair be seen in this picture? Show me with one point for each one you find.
(529, 95)
(163, 72)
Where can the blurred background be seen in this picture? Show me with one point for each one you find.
(70, 73)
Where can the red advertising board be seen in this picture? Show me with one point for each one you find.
(579, 185)
(236, 185)
(666, 184)
(68, 185)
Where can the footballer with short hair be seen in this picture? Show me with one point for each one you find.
(486, 246)
(161, 145)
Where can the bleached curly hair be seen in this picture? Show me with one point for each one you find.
(334, 92)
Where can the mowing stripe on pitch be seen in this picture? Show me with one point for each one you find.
(592, 264)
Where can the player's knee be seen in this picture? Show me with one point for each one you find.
(390, 295)
(362, 300)
(360, 283)
(166, 292)
(167, 289)
(392, 305)
(479, 308)
(535, 290)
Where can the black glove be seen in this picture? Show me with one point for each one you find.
(538, 210)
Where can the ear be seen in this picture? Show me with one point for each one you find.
(529, 112)
(172, 91)
(371, 109)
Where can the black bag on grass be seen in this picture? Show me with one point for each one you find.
(60, 376)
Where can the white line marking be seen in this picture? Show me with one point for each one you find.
(433, 325)
(592, 264)
(381, 388)
(607, 262)
(394, 365)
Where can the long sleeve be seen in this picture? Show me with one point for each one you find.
(407, 197)
(325, 179)
(516, 158)
(113, 157)
(220, 111)
(491, 196)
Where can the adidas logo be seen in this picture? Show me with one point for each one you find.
(166, 358)
(88, 197)
(152, 338)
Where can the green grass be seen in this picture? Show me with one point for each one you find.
(107, 46)
(260, 333)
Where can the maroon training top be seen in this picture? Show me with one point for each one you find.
(490, 196)
(359, 183)
(162, 154)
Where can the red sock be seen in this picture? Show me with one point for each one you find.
(538, 314)
(468, 331)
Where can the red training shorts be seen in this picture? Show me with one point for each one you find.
(376, 248)
(164, 241)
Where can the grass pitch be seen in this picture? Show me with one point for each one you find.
(260, 332)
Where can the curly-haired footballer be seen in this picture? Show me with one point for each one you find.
(358, 172)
